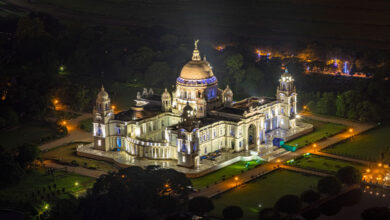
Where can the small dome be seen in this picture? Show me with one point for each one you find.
(196, 70)
(286, 73)
(187, 111)
(166, 95)
(102, 94)
(228, 91)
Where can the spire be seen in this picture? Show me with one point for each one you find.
(102, 89)
(195, 53)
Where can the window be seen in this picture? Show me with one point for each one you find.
(119, 142)
(99, 142)
(162, 123)
(240, 144)
(99, 132)
(184, 159)
(118, 130)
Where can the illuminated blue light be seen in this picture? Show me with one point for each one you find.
(207, 81)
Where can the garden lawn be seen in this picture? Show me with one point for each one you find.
(37, 180)
(30, 132)
(367, 146)
(321, 130)
(67, 154)
(264, 191)
(228, 172)
(324, 164)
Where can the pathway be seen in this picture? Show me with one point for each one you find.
(79, 170)
(301, 170)
(367, 163)
(75, 134)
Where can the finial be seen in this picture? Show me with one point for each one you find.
(102, 88)
(166, 90)
(195, 54)
(196, 44)
(204, 58)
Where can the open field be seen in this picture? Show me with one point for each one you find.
(37, 180)
(226, 172)
(264, 191)
(323, 164)
(31, 132)
(321, 130)
(67, 154)
(366, 146)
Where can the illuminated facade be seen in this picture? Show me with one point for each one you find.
(195, 119)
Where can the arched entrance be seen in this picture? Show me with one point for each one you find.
(251, 134)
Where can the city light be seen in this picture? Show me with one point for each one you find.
(298, 116)
(76, 183)
(350, 130)
(46, 207)
(113, 107)
(305, 107)
(63, 122)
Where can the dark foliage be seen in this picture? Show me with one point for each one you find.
(310, 196)
(269, 214)
(329, 185)
(232, 212)
(200, 205)
(376, 213)
(349, 175)
(290, 204)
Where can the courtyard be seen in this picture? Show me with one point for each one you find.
(321, 130)
(322, 164)
(224, 173)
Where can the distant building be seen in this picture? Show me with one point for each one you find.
(197, 118)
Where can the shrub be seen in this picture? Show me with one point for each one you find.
(310, 196)
(349, 175)
(290, 204)
(329, 185)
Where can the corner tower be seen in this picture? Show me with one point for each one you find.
(286, 94)
(102, 114)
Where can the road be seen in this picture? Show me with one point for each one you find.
(75, 134)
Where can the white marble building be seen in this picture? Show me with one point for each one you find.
(195, 119)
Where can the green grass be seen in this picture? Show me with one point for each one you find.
(86, 124)
(321, 130)
(37, 180)
(320, 163)
(67, 154)
(367, 146)
(31, 132)
(265, 191)
(226, 172)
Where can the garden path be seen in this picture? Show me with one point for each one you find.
(79, 170)
(75, 134)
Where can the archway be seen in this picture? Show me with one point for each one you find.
(251, 134)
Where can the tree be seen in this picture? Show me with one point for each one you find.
(329, 185)
(349, 175)
(65, 209)
(200, 205)
(135, 193)
(269, 214)
(232, 212)
(10, 170)
(310, 196)
(376, 213)
(311, 214)
(27, 153)
(331, 207)
(290, 204)
(158, 74)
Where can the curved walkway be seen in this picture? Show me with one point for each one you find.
(79, 170)
(75, 134)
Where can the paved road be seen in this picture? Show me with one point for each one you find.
(75, 134)
(79, 170)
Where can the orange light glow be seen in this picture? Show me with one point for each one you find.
(314, 145)
(379, 164)
(55, 101)
(236, 178)
(305, 107)
(123, 176)
(350, 130)
(166, 185)
(113, 107)
(278, 161)
(63, 123)
(368, 170)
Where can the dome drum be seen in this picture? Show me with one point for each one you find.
(200, 82)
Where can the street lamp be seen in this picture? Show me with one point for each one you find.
(236, 179)
(314, 147)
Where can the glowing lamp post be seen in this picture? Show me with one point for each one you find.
(314, 147)
(236, 179)
(76, 183)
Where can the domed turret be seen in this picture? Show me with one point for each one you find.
(227, 96)
(102, 95)
(188, 111)
(166, 101)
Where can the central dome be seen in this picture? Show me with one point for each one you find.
(196, 70)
